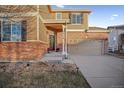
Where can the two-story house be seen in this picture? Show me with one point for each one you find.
(27, 32)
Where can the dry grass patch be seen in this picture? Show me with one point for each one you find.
(40, 75)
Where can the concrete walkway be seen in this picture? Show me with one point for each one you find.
(101, 71)
(55, 57)
(52, 57)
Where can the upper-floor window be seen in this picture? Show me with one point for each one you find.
(76, 18)
(12, 31)
(58, 16)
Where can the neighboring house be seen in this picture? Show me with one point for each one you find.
(27, 32)
(116, 38)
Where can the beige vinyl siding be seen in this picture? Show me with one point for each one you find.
(31, 28)
(65, 16)
(85, 20)
(44, 12)
(43, 32)
(83, 25)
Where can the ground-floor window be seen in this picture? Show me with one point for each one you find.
(12, 31)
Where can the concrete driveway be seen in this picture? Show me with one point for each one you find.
(101, 71)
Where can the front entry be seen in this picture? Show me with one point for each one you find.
(52, 42)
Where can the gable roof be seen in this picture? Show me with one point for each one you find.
(97, 28)
(68, 10)
(116, 26)
(72, 10)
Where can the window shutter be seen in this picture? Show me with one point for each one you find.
(81, 18)
(70, 17)
(24, 30)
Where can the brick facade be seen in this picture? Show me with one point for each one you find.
(22, 51)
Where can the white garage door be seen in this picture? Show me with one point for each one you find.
(87, 48)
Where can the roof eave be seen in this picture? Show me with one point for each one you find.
(66, 11)
(115, 26)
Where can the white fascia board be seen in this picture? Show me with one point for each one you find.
(75, 30)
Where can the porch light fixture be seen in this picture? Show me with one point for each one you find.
(86, 36)
(85, 31)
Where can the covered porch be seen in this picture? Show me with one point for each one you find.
(57, 26)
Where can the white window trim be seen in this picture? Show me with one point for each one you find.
(76, 24)
(11, 32)
(57, 14)
(76, 19)
(75, 30)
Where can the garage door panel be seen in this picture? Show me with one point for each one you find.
(86, 47)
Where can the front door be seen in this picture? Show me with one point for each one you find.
(52, 42)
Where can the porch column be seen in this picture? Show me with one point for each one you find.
(63, 40)
(66, 42)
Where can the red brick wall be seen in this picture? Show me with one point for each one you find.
(22, 51)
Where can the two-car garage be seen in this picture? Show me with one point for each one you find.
(90, 43)
(88, 48)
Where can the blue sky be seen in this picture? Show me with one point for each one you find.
(102, 15)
